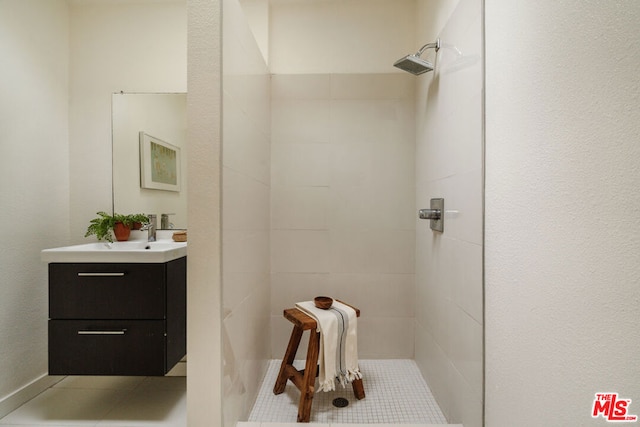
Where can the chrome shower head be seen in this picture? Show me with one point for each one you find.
(416, 65)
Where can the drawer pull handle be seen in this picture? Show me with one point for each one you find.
(100, 274)
(120, 332)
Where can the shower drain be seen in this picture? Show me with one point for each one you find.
(340, 402)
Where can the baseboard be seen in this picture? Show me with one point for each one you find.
(180, 370)
(22, 395)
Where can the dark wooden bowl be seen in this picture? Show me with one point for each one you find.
(323, 302)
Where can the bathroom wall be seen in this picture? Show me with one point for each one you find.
(64, 60)
(449, 164)
(256, 13)
(346, 36)
(34, 171)
(245, 203)
(342, 173)
(204, 293)
(128, 46)
(562, 235)
(342, 203)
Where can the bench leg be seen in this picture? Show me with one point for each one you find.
(308, 382)
(289, 356)
(358, 388)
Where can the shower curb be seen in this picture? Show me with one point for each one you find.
(275, 424)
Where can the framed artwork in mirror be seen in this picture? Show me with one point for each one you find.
(159, 164)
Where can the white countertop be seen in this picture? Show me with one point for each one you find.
(137, 251)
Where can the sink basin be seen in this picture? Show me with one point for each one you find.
(134, 251)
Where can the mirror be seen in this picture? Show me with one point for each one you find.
(162, 120)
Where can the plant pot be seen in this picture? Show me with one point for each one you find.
(136, 226)
(121, 231)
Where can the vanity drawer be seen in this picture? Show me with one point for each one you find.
(107, 291)
(83, 347)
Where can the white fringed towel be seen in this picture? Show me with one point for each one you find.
(338, 355)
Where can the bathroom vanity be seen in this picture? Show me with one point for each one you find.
(116, 317)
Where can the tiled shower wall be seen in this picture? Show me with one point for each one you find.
(245, 215)
(342, 202)
(449, 311)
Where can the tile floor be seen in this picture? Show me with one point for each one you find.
(86, 401)
(257, 424)
(81, 401)
(395, 394)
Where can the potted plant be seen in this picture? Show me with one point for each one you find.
(136, 220)
(121, 225)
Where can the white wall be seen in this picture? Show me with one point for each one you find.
(34, 184)
(256, 13)
(204, 296)
(245, 215)
(562, 236)
(115, 46)
(63, 60)
(342, 167)
(449, 164)
(343, 203)
(347, 36)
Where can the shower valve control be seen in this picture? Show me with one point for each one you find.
(435, 214)
(430, 213)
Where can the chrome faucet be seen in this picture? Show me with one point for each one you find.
(164, 221)
(151, 227)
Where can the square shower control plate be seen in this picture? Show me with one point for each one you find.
(438, 224)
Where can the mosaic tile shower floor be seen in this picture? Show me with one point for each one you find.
(395, 391)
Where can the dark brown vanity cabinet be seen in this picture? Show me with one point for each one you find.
(117, 318)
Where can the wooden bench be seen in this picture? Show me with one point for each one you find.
(305, 379)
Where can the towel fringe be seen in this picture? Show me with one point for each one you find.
(344, 379)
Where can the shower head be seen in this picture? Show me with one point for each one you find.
(416, 65)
